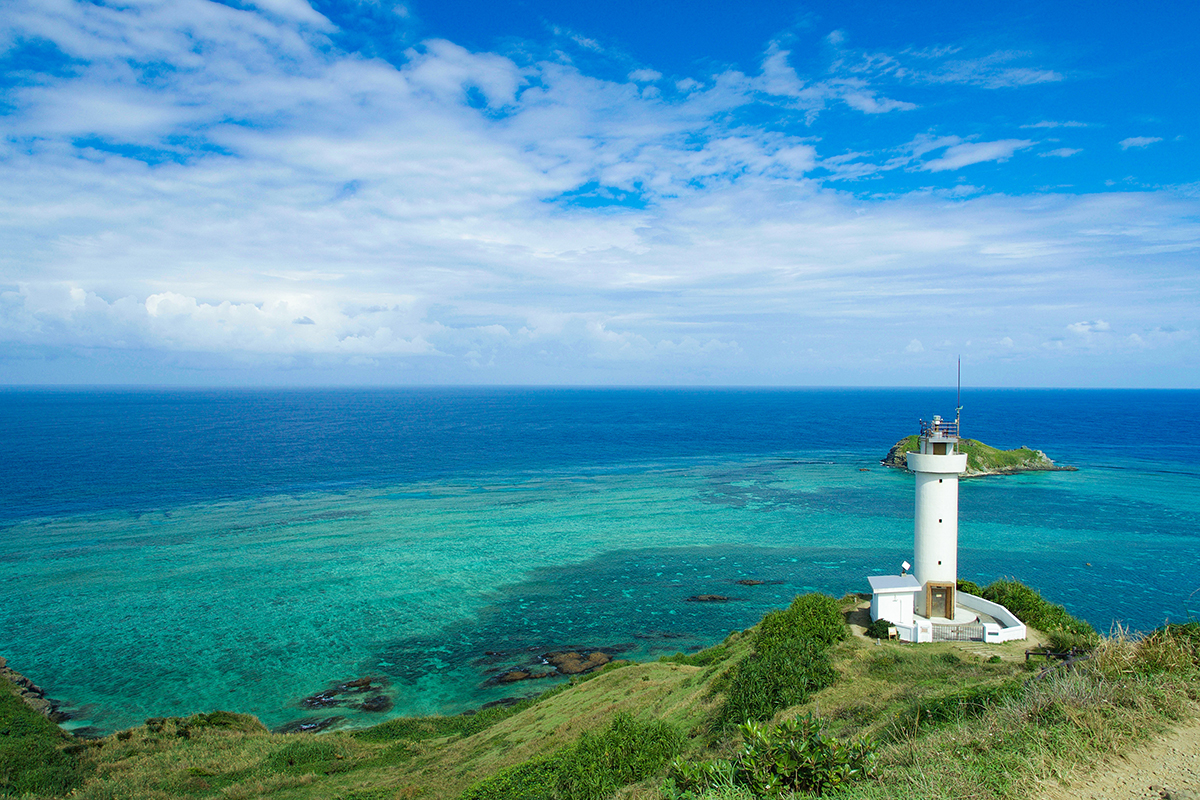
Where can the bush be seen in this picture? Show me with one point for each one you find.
(771, 680)
(1171, 648)
(1032, 609)
(878, 629)
(795, 756)
(817, 616)
(690, 779)
(789, 661)
(970, 587)
(703, 658)
(594, 767)
(626, 752)
(534, 779)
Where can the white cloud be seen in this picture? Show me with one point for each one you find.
(1088, 327)
(914, 346)
(1139, 141)
(277, 201)
(645, 75)
(1061, 152)
(1052, 124)
(967, 153)
(779, 78)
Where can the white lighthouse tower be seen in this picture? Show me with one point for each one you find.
(935, 525)
(926, 605)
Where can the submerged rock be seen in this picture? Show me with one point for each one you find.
(576, 663)
(708, 598)
(346, 694)
(514, 675)
(321, 700)
(378, 703)
(562, 662)
(310, 725)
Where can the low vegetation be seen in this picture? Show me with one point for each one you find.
(794, 707)
(982, 458)
(1065, 632)
(36, 757)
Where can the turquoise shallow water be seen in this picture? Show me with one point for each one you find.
(249, 603)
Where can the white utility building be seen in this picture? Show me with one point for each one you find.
(927, 605)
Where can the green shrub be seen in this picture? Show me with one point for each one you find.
(595, 767)
(769, 680)
(789, 661)
(878, 629)
(1032, 609)
(703, 658)
(970, 587)
(795, 756)
(690, 779)
(534, 779)
(626, 752)
(817, 616)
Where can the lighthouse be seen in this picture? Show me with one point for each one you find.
(936, 465)
(926, 605)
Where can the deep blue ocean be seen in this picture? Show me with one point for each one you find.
(175, 551)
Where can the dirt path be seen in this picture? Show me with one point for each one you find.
(1167, 768)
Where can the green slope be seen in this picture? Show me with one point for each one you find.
(949, 721)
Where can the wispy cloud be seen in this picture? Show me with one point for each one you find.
(1061, 152)
(1051, 124)
(1139, 141)
(949, 65)
(967, 153)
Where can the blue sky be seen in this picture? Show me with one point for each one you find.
(701, 193)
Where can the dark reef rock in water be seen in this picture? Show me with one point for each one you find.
(310, 725)
(659, 635)
(750, 582)
(514, 675)
(503, 701)
(321, 700)
(564, 662)
(576, 663)
(377, 703)
(708, 598)
(347, 694)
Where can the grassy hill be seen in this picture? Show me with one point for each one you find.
(928, 721)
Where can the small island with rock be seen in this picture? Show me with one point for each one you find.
(982, 459)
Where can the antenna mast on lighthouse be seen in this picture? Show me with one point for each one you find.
(958, 405)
